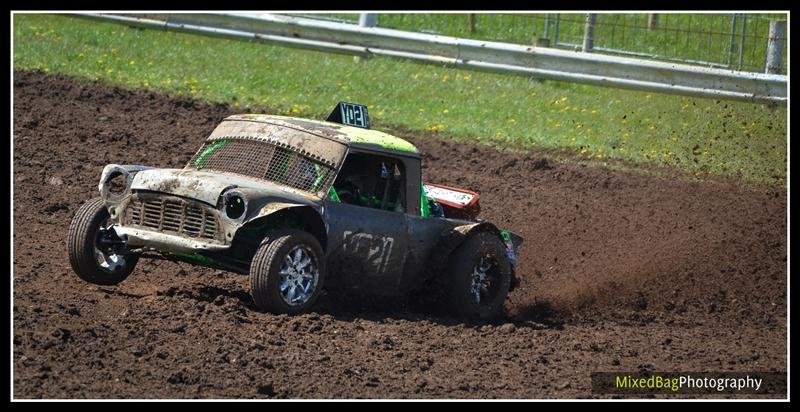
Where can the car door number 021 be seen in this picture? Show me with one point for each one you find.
(376, 249)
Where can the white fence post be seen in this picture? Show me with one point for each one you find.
(777, 35)
(368, 20)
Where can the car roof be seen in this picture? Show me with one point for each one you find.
(352, 136)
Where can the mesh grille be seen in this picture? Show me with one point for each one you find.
(173, 215)
(264, 160)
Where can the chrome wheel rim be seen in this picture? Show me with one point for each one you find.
(298, 276)
(106, 259)
(482, 280)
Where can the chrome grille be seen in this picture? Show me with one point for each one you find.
(173, 215)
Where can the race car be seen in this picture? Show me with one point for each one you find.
(299, 206)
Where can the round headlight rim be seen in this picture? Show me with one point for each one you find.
(226, 198)
(113, 174)
(111, 186)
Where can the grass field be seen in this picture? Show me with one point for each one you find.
(701, 136)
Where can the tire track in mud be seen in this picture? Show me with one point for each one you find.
(620, 271)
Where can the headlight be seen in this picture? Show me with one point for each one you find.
(235, 205)
(116, 183)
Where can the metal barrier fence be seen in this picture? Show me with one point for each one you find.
(735, 41)
(364, 39)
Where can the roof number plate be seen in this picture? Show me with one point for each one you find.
(350, 114)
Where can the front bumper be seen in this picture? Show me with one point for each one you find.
(162, 242)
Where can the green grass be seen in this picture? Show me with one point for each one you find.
(701, 136)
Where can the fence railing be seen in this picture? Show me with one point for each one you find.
(541, 62)
(736, 41)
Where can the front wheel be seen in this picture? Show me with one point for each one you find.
(287, 272)
(479, 277)
(91, 257)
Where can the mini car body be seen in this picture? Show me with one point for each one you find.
(300, 205)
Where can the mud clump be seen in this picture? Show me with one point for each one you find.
(619, 271)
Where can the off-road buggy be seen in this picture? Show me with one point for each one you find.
(299, 205)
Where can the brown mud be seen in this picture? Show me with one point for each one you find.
(620, 271)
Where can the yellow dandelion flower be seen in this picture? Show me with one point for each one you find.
(435, 128)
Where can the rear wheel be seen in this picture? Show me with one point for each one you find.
(479, 277)
(287, 272)
(92, 256)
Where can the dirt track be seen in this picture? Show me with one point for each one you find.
(620, 272)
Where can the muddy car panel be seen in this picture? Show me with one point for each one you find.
(208, 186)
(328, 150)
(354, 137)
(381, 252)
